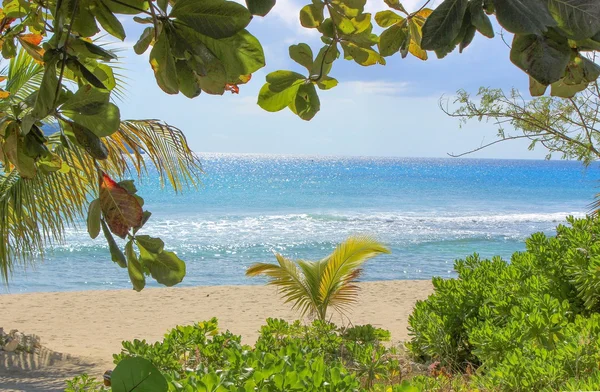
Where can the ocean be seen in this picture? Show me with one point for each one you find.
(430, 212)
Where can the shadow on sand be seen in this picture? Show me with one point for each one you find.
(44, 371)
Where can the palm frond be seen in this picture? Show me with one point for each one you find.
(288, 279)
(24, 76)
(341, 264)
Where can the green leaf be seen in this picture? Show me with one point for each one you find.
(142, 44)
(129, 186)
(311, 16)
(163, 5)
(136, 374)
(131, 7)
(46, 96)
(542, 57)
(145, 216)
(524, 16)
(85, 23)
(108, 20)
(468, 38)
(302, 54)
(214, 18)
(326, 83)
(134, 268)
(280, 90)
(362, 56)
(395, 4)
(93, 218)
(536, 89)
(563, 90)
(391, 40)
(187, 80)
(89, 141)
(103, 123)
(150, 244)
(444, 24)
(165, 267)
(479, 19)
(580, 19)
(387, 18)
(163, 64)
(260, 7)
(306, 104)
(14, 149)
(87, 101)
(115, 252)
(324, 61)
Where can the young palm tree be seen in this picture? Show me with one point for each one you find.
(314, 286)
(34, 212)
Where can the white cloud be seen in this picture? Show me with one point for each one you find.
(377, 87)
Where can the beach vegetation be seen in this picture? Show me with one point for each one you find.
(313, 287)
(530, 324)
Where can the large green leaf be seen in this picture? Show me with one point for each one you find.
(280, 90)
(444, 24)
(136, 374)
(306, 104)
(144, 41)
(388, 18)
(391, 40)
(115, 252)
(302, 54)
(542, 57)
(163, 64)
(46, 95)
(580, 19)
(134, 268)
(240, 54)
(214, 18)
(89, 141)
(361, 55)
(93, 218)
(524, 16)
(188, 82)
(103, 123)
(131, 7)
(479, 18)
(109, 21)
(87, 101)
(165, 267)
(260, 7)
(311, 16)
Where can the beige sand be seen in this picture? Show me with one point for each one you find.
(90, 325)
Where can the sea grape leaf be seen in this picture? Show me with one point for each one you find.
(151, 244)
(580, 19)
(536, 89)
(108, 20)
(326, 82)
(388, 18)
(120, 209)
(165, 267)
(134, 268)
(89, 141)
(260, 7)
(44, 102)
(311, 16)
(479, 19)
(163, 64)
(136, 374)
(524, 16)
(213, 18)
(306, 104)
(542, 57)
(302, 54)
(391, 40)
(93, 218)
(444, 24)
(142, 44)
(115, 252)
(280, 90)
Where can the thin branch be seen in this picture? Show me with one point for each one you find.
(491, 144)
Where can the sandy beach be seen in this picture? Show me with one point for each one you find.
(83, 329)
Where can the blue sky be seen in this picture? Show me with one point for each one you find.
(387, 110)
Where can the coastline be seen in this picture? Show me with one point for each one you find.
(90, 325)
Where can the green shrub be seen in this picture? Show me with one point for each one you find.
(530, 324)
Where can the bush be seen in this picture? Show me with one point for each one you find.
(531, 324)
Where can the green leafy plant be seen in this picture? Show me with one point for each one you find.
(531, 324)
(314, 286)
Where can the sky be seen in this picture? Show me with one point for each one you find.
(390, 110)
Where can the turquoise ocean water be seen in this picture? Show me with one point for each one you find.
(429, 211)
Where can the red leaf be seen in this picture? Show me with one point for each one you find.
(34, 39)
(121, 210)
(233, 88)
